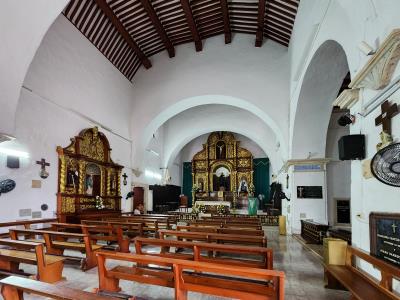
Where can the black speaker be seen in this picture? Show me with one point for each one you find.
(12, 162)
(352, 147)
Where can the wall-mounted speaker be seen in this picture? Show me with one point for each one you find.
(352, 147)
(12, 162)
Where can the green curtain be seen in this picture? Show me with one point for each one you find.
(187, 181)
(261, 178)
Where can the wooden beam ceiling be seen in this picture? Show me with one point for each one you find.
(160, 29)
(260, 23)
(192, 25)
(227, 25)
(128, 32)
(102, 4)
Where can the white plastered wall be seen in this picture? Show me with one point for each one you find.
(70, 83)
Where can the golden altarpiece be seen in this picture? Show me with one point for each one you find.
(89, 182)
(222, 170)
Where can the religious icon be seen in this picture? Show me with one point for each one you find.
(72, 177)
(243, 186)
(89, 184)
(220, 150)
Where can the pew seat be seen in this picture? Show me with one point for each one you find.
(361, 285)
(184, 276)
(56, 242)
(255, 257)
(13, 288)
(49, 267)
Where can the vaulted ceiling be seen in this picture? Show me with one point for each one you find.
(128, 32)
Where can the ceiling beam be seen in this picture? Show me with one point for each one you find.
(192, 25)
(227, 25)
(158, 26)
(102, 4)
(260, 23)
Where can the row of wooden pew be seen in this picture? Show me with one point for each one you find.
(185, 269)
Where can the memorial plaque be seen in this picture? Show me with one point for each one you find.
(385, 236)
(309, 192)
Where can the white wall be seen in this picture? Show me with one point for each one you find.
(349, 23)
(70, 82)
(338, 172)
(238, 74)
(22, 27)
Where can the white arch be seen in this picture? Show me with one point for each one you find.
(197, 101)
(178, 132)
(17, 52)
(320, 86)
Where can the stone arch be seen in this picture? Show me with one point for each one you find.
(320, 86)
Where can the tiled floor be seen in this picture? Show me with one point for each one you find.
(304, 275)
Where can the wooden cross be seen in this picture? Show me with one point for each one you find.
(43, 163)
(388, 112)
(394, 226)
(125, 177)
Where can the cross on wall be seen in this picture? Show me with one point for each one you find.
(43, 163)
(385, 118)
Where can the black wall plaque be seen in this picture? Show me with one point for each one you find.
(309, 192)
(343, 211)
(385, 236)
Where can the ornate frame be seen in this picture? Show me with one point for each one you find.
(89, 147)
(238, 160)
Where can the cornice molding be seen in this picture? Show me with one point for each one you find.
(378, 71)
(347, 98)
(297, 162)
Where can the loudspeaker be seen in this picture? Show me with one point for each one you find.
(12, 162)
(352, 147)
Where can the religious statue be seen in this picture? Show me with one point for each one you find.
(72, 177)
(243, 187)
(386, 140)
(220, 150)
(89, 184)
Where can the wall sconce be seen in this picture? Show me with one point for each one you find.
(365, 48)
(43, 173)
(125, 182)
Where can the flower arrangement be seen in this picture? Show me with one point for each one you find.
(251, 189)
(221, 209)
(99, 203)
(195, 188)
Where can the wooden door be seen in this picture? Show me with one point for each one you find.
(138, 197)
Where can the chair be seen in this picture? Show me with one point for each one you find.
(183, 205)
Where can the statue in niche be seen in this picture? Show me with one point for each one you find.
(72, 177)
(92, 180)
(220, 150)
(113, 183)
(243, 186)
(89, 185)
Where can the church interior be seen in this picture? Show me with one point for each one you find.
(200, 149)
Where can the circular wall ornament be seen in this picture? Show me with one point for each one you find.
(44, 207)
(385, 165)
(7, 185)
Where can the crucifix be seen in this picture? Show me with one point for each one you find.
(394, 226)
(125, 177)
(43, 173)
(388, 112)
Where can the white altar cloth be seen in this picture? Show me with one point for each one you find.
(213, 203)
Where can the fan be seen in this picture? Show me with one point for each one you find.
(385, 165)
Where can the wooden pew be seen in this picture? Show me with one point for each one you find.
(56, 242)
(104, 232)
(129, 228)
(26, 223)
(150, 225)
(242, 231)
(13, 288)
(360, 284)
(49, 267)
(264, 255)
(232, 220)
(224, 224)
(182, 275)
(215, 237)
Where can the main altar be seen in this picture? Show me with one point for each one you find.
(222, 172)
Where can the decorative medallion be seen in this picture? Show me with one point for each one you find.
(7, 185)
(385, 165)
